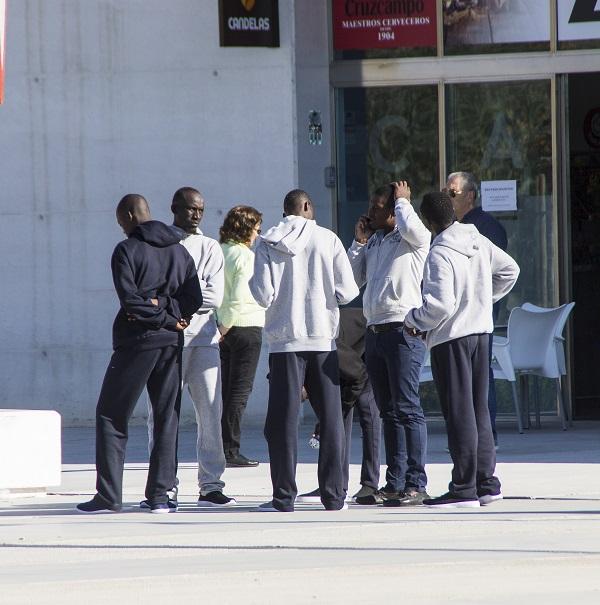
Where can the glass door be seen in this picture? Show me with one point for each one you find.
(384, 134)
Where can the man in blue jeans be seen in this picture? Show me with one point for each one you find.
(388, 255)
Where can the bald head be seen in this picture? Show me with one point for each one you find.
(298, 203)
(132, 211)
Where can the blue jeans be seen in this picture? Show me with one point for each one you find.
(394, 360)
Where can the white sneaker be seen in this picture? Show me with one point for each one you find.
(489, 498)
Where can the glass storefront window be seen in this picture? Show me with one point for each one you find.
(502, 131)
(384, 134)
(496, 26)
(578, 24)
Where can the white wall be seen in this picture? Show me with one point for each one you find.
(106, 97)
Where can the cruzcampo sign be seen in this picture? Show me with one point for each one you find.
(368, 24)
(249, 22)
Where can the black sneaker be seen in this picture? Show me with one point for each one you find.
(313, 497)
(240, 461)
(390, 493)
(215, 498)
(364, 491)
(412, 497)
(449, 500)
(96, 506)
(172, 503)
(162, 507)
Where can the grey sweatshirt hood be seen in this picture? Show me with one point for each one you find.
(291, 235)
(460, 238)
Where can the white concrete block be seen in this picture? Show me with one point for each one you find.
(30, 451)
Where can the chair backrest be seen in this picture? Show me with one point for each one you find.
(531, 337)
(566, 311)
(560, 325)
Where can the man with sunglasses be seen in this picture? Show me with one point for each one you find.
(462, 189)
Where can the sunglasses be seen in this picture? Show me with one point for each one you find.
(453, 193)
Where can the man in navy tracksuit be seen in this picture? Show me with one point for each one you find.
(158, 289)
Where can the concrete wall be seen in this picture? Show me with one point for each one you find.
(105, 97)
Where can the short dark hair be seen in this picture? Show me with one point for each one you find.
(436, 208)
(180, 196)
(238, 224)
(387, 193)
(295, 200)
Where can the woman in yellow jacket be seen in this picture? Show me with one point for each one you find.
(241, 320)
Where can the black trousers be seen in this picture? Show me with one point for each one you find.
(240, 351)
(288, 372)
(129, 371)
(370, 425)
(460, 370)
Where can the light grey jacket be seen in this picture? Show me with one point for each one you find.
(392, 266)
(301, 275)
(465, 273)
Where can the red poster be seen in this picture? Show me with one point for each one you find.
(366, 24)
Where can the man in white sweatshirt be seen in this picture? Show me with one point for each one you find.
(201, 363)
(301, 275)
(465, 274)
(388, 254)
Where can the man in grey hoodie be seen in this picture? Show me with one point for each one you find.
(465, 273)
(301, 275)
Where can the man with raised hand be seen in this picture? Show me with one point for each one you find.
(388, 254)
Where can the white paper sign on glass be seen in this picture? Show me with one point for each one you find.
(499, 196)
(578, 19)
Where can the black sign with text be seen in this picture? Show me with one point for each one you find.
(249, 22)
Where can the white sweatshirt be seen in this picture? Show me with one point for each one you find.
(208, 258)
(465, 274)
(301, 275)
(392, 266)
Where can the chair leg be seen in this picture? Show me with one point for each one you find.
(524, 387)
(562, 408)
(536, 402)
(517, 407)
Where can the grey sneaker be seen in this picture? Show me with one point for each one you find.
(412, 497)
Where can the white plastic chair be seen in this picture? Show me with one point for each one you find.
(533, 347)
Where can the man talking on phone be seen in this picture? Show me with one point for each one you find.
(388, 255)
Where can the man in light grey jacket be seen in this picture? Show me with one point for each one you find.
(388, 254)
(201, 364)
(301, 275)
(465, 273)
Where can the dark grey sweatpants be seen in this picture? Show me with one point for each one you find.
(460, 370)
(288, 372)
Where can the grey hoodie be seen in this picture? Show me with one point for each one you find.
(301, 275)
(465, 273)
